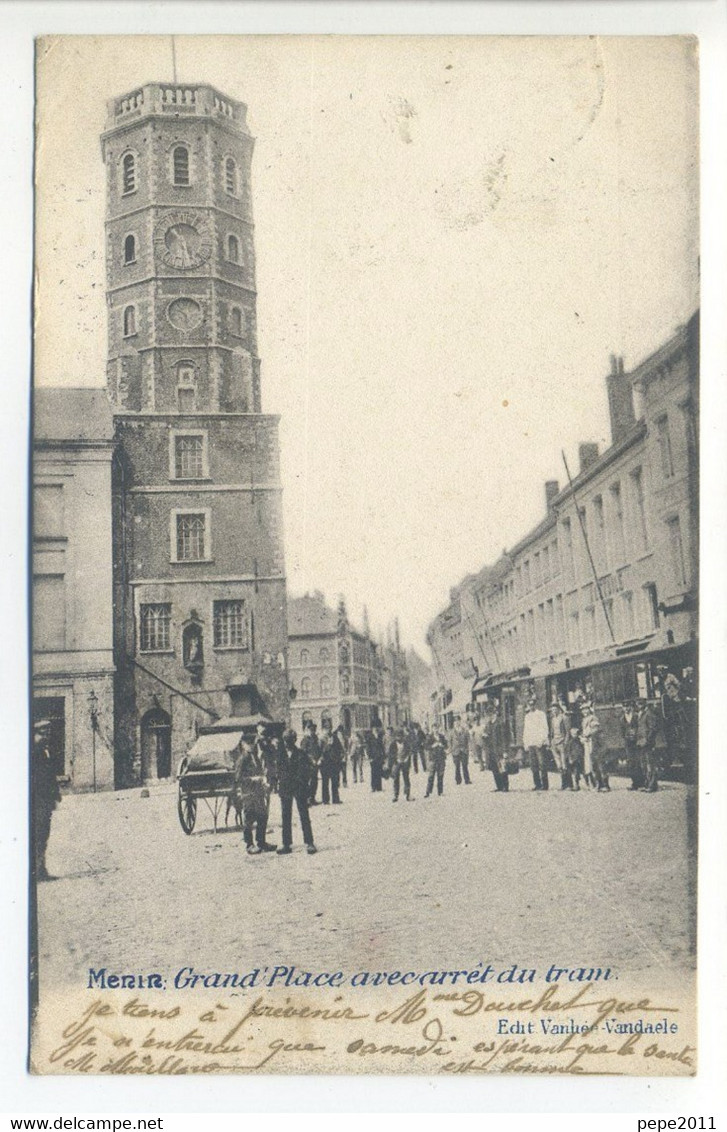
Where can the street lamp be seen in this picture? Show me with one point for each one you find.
(93, 715)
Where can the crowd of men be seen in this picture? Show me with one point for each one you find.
(567, 741)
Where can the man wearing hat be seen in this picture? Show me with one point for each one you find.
(309, 747)
(251, 780)
(45, 795)
(646, 732)
(293, 773)
(629, 731)
(535, 741)
(559, 737)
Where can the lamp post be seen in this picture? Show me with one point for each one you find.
(93, 714)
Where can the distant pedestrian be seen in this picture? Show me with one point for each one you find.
(293, 771)
(45, 795)
(646, 734)
(310, 748)
(629, 731)
(496, 749)
(592, 739)
(558, 739)
(377, 756)
(416, 741)
(460, 746)
(436, 754)
(535, 741)
(329, 746)
(399, 755)
(474, 735)
(574, 759)
(345, 742)
(358, 751)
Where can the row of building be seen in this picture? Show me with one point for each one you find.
(600, 597)
(159, 590)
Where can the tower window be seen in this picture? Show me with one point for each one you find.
(233, 249)
(191, 537)
(231, 177)
(129, 321)
(189, 457)
(130, 250)
(186, 387)
(236, 321)
(180, 165)
(155, 628)
(229, 625)
(128, 174)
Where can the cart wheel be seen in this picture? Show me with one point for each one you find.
(187, 810)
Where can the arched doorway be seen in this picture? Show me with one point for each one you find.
(156, 745)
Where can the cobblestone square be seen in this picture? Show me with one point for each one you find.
(525, 877)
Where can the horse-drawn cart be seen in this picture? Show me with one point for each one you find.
(207, 773)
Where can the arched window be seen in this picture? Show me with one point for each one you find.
(128, 173)
(304, 656)
(130, 250)
(231, 177)
(325, 685)
(233, 249)
(180, 165)
(236, 321)
(129, 321)
(323, 656)
(305, 686)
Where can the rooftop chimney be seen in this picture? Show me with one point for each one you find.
(587, 455)
(620, 400)
(552, 487)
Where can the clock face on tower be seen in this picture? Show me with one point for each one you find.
(182, 240)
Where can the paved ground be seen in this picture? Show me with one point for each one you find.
(526, 877)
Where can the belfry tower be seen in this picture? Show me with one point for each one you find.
(200, 586)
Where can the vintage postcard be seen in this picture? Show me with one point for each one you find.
(365, 556)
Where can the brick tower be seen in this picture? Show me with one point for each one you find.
(199, 580)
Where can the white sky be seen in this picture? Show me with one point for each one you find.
(452, 235)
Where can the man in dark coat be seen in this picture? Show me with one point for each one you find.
(251, 780)
(309, 747)
(45, 795)
(399, 755)
(493, 742)
(629, 732)
(377, 755)
(331, 757)
(461, 754)
(293, 771)
(436, 748)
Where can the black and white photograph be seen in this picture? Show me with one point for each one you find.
(365, 551)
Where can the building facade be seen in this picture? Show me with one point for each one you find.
(600, 597)
(340, 673)
(73, 665)
(199, 586)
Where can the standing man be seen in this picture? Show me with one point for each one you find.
(436, 749)
(309, 747)
(593, 747)
(293, 771)
(535, 741)
(629, 732)
(45, 795)
(495, 752)
(330, 764)
(559, 738)
(345, 743)
(646, 732)
(254, 792)
(358, 750)
(399, 762)
(375, 746)
(461, 753)
(265, 750)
